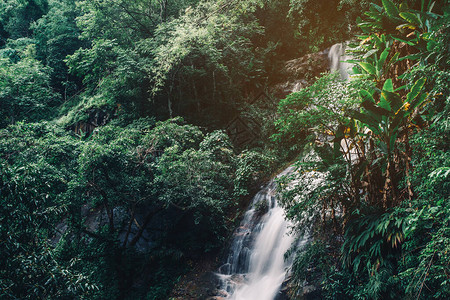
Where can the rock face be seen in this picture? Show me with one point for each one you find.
(300, 72)
(95, 118)
(283, 294)
(309, 291)
(200, 283)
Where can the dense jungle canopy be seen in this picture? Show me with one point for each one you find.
(119, 170)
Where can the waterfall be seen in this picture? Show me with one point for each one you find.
(337, 58)
(256, 267)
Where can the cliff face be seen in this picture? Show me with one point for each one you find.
(300, 72)
(201, 282)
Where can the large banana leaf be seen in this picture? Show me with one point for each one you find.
(411, 18)
(394, 100)
(368, 121)
(390, 8)
(369, 68)
(417, 87)
(375, 109)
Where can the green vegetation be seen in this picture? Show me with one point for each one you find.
(70, 205)
(380, 150)
(116, 172)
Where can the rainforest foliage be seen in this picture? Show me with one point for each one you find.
(117, 174)
(376, 163)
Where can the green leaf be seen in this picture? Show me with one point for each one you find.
(356, 70)
(353, 129)
(411, 18)
(383, 56)
(374, 7)
(393, 139)
(442, 172)
(411, 57)
(417, 101)
(400, 88)
(351, 61)
(392, 61)
(404, 6)
(388, 85)
(407, 26)
(390, 8)
(403, 41)
(370, 53)
(398, 118)
(369, 25)
(374, 15)
(383, 147)
(384, 103)
(368, 68)
(356, 263)
(430, 6)
(415, 90)
(366, 95)
(371, 107)
(394, 99)
(431, 45)
(368, 121)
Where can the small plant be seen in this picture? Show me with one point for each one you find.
(261, 207)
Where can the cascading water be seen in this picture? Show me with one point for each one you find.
(256, 268)
(338, 58)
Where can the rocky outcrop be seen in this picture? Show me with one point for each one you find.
(200, 283)
(300, 72)
(95, 118)
(309, 291)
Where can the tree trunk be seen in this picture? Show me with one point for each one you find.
(147, 220)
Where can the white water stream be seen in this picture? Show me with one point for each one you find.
(256, 268)
(337, 58)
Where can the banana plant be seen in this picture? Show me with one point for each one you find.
(375, 62)
(400, 23)
(385, 116)
(391, 18)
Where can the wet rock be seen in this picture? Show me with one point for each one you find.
(283, 294)
(200, 282)
(311, 64)
(237, 278)
(300, 72)
(219, 294)
(312, 293)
